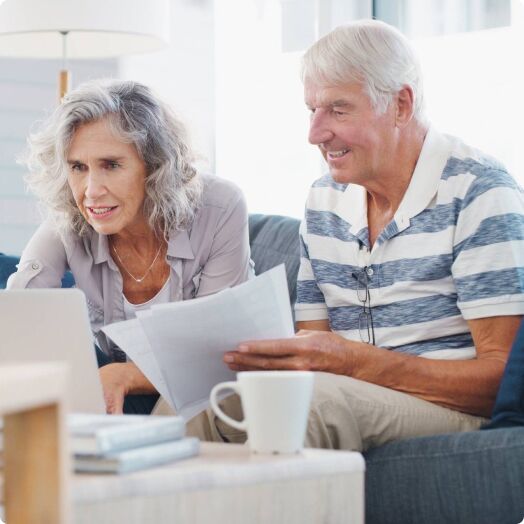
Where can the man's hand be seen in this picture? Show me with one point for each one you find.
(464, 385)
(308, 350)
(119, 380)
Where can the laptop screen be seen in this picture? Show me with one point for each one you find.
(44, 325)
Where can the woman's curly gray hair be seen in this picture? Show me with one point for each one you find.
(172, 189)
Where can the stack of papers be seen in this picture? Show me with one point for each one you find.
(180, 346)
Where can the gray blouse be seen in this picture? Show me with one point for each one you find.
(212, 255)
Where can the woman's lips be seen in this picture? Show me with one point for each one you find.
(101, 211)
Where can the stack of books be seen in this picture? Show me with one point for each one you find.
(125, 443)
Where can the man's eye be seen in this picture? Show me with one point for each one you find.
(338, 113)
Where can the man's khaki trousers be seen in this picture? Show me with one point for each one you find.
(346, 414)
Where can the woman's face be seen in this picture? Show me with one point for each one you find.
(107, 178)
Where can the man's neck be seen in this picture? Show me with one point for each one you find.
(385, 193)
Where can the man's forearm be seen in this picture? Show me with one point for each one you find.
(465, 385)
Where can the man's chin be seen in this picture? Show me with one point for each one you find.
(341, 177)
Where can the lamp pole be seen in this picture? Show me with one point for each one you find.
(64, 78)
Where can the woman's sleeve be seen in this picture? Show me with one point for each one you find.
(228, 263)
(43, 261)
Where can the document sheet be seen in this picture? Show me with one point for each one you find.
(179, 346)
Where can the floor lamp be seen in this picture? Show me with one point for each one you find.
(70, 29)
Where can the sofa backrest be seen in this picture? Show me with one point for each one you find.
(7, 266)
(273, 239)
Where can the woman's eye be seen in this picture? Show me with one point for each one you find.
(77, 167)
(113, 165)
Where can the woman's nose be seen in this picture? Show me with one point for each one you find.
(94, 187)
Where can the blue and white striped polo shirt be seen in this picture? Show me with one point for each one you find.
(454, 251)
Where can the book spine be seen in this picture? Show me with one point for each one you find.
(124, 438)
(160, 454)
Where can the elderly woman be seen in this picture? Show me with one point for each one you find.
(129, 215)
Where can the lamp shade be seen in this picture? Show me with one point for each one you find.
(95, 28)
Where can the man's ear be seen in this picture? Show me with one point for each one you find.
(405, 106)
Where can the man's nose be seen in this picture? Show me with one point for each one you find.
(319, 132)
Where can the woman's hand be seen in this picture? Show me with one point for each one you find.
(119, 380)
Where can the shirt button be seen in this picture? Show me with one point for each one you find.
(369, 272)
(35, 266)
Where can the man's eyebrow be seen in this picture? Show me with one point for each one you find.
(339, 103)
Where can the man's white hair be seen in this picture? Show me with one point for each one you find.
(372, 53)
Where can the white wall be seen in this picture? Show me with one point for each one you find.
(474, 90)
(183, 74)
(261, 137)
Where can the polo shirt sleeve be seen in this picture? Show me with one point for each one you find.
(488, 251)
(310, 304)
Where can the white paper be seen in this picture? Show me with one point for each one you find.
(188, 339)
(130, 337)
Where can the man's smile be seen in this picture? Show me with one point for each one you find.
(337, 154)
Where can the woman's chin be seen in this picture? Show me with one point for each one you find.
(104, 229)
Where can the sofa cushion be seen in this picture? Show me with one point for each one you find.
(274, 240)
(468, 478)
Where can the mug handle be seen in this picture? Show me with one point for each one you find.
(241, 425)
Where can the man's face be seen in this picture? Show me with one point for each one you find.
(355, 142)
(107, 178)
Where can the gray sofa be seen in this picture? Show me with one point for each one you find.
(475, 477)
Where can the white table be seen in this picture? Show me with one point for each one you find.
(224, 484)
(227, 484)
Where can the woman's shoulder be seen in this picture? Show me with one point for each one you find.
(48, 241)
(219, 192)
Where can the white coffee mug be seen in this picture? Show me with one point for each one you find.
(275, 405)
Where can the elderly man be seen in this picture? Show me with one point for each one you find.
(410, 289)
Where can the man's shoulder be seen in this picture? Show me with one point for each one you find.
(470, 171)
(466, 159)
(324, 193)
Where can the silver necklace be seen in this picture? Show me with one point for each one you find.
(141, 279)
